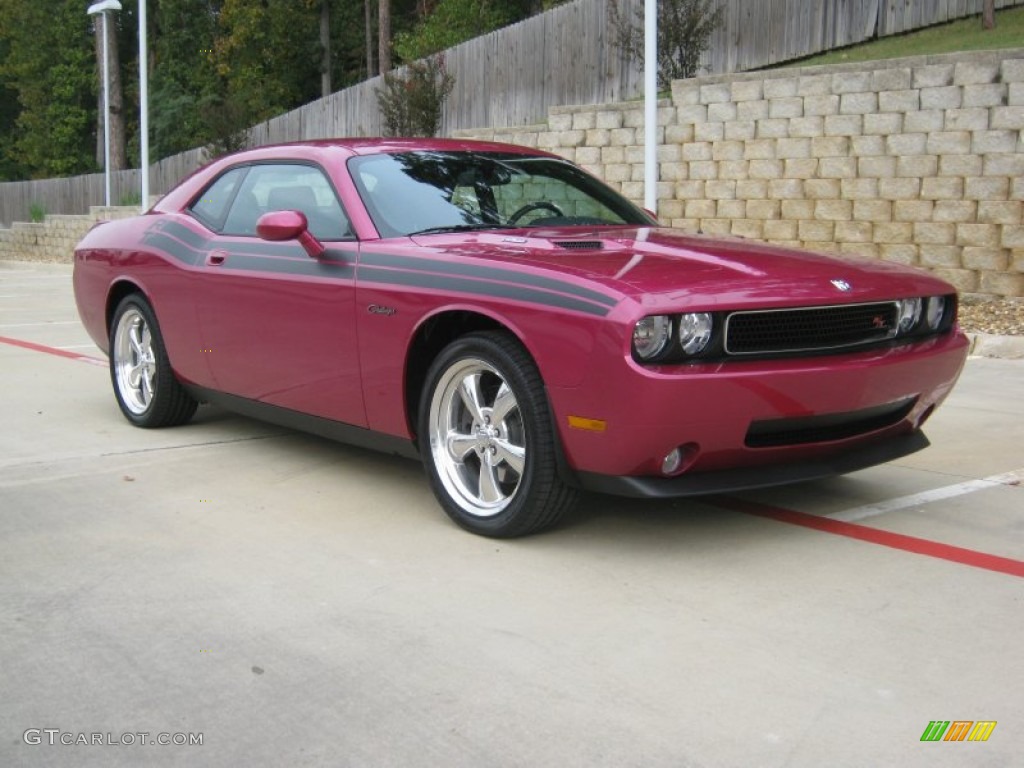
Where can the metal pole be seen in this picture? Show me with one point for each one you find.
(103, 9)
(106, 111)
(144, 105)
(651, 105)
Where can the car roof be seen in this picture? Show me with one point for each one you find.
(346, 147)
(379, 145)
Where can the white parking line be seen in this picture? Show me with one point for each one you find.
(871, 510)
(77, 346)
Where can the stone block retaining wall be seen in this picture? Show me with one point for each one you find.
(54, 238)
(917, 161)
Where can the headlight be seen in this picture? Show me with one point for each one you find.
(695, 331)
(936, 310)
(910, 313)
(651, 336)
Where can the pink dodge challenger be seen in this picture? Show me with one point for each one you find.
(520, 326)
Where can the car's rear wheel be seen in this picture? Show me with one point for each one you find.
(144, 384)
(487, 438)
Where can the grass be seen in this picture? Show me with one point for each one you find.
(962, 35)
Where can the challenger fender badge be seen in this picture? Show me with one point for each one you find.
(842, 285)
(379, 309)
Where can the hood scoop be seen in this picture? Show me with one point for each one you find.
(579, 245)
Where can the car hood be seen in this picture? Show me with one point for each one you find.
(667, 266)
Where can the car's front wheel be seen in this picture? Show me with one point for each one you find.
(487, 438)
(144, 384)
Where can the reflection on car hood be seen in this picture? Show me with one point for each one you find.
(661, 264)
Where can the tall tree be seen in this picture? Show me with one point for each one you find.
(369, 40)
(353, 34)
(384, 35)
(51, 66)
(10, 168)
(325, 46)
(111, 119)
(269, 54)
(184, 87)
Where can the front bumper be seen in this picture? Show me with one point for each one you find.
(747, 478)
(713, 410)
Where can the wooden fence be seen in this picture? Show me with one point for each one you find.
(76, 193)
(508, 77)
(512, 76)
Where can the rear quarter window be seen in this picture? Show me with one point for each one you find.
(212, 205)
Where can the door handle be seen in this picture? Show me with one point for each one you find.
(216, 257)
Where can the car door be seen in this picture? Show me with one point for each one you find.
(278, 326)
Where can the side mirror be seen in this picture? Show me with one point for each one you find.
(289, 225)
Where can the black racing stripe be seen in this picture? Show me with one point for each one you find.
(252, 245)
(263, 248)
(478, 288)
(284, 258)
(190, 247)
(175, 248)
(426, 264)
(330, 268)
(189, 236)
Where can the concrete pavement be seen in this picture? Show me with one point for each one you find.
(291, 601)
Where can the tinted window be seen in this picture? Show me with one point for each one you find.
(214, 202)
(279, 187)
(415, 191)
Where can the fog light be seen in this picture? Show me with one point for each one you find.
(671, 463)
(680, 459)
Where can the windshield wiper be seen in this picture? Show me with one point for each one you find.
(458, 228)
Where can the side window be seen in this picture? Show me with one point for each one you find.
(279, 187)
(213, 203)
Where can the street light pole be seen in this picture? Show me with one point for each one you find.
(102, 9)
(144, 105)
(651, 106)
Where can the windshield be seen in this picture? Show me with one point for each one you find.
(422, 192)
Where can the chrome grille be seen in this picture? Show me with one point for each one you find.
(809, 329)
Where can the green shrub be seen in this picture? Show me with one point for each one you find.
(36, 213)
(684, 33)
(411, 105)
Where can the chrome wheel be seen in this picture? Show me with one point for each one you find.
(486, 434)
(477, 437)
(134, 361)
(147, 391)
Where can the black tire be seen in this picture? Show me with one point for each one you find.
(492, 466)
(144, 384)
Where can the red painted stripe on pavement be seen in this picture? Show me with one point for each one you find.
(901, 541)
(53, 351)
